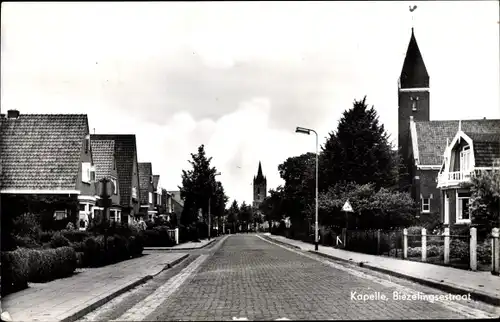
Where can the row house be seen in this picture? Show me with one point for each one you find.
(146, 186)
(103, 153)
(47, 159)
(127, 171)
(175, 204)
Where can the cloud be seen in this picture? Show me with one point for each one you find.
(239, 77)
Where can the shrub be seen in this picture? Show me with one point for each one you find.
(459, 249)
(484, 252)
(460, 230)
(15, 271)
(35, 265)
(414, 251)
(415, 230)
(46, 236)
(26, 242)
(58, 240)
(47, 265)
(75, 235)
(435, 250)
(70, 226)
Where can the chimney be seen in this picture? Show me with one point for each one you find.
(12, 114)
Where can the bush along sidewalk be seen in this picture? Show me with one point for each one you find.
(25, 265)
(46, 255)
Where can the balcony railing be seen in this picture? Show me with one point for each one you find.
(449, 178)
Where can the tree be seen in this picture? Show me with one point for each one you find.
(272, 206)
(245, 215)
(485, 199)
(232, 215)
(299, 189)
(382, 209)
(198, 187)
(359, 151)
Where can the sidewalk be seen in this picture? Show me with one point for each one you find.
(186, 246)
(71, 298)
(482, 286)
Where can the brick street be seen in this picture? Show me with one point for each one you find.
(248, 278)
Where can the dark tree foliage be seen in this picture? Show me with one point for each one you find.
(199, 185)
(359, 151)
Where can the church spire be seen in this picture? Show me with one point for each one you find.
(259, 172)
(414, 73)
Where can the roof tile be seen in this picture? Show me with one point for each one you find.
(41, 151)
(432, 135)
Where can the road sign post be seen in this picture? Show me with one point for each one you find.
(347, 208)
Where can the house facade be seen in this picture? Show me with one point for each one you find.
(175, 204)
(103, 153)
(468, 152)
(47, 163)
(127, 172)
(147, 190)
(421, 141)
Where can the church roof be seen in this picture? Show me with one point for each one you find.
(414, 73)
(260, 177)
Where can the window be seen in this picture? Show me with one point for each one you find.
(463, 207)
(414, 101)
(115, 215)
(115, 186)
(87, 144)
(465, 159)
(92, 173)
(82, 206)
(86, 172)
(60, 214)
(426, 204)
(150, 195)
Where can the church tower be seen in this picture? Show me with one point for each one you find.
(259, 187)
(413, 104)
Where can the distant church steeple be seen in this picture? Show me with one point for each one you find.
(413, 104)
(259, 187)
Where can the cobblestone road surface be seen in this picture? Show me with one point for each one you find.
(247, 278)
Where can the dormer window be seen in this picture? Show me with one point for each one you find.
(414, 102)
(115, 186)
(465, 161)
(87, 144)
(86, 173)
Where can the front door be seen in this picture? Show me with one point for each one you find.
(446, 209)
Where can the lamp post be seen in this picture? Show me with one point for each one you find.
(209, 215)
(308, 132)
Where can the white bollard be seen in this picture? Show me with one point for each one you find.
(473, 249)
(424, 245)
(446, 245)
(495, 251)
(405, 243)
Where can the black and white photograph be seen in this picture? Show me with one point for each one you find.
(249, 160)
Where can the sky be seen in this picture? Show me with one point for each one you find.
(240, 76)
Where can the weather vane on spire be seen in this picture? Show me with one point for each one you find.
(412, 8)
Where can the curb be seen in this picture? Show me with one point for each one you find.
(77, 315)
(474, 294)
(280, 242)
(180, 249)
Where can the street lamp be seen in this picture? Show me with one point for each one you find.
(209, 215)
(308, 132)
